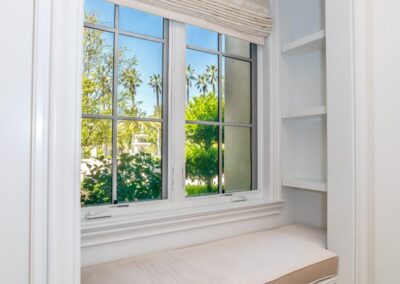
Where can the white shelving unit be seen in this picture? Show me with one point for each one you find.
(303, 96)
(305, 44)
(306, 184)
(306, 113)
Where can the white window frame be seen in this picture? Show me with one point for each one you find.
(176, 144)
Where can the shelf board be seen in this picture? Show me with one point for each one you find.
(306, 113)
(305, 44)
(303, 183)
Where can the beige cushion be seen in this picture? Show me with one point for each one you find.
(293, 254)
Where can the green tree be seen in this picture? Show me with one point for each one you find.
(130, 81)
(190, 77)
(156, 83)
(212, 76)
(202, 83)
(202, 140)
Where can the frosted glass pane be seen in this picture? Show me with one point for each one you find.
(236, 159)
(235, 46)
(236, 91)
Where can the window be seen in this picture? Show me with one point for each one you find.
(124, 141)
(220, 113)
(123, 105)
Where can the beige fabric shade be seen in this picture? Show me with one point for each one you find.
(245, 19)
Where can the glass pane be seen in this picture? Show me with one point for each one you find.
(140, 77)
(139, 22)
(236, 91)
(96, 167)
(99, 12)
(235, 46)
(202, 38)
(97, 77)
(201, 86)
(139, 161)
(236, 159)
(201, 160)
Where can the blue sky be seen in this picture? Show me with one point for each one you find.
(199, 61)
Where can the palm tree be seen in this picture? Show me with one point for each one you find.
(212, 76)
(189, 79)
(202, 83)
(156, 83)
(131, 81)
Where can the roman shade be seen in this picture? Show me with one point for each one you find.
(245, 19)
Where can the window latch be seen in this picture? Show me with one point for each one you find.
(98, 214)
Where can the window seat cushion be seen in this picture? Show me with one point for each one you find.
(287, 255)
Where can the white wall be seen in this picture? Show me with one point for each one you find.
(16, 20)
(385, 117)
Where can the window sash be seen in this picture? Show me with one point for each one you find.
(115, 118)
(220, 123)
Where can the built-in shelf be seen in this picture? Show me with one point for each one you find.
(303, 183)
(305, 44)
(306, 113)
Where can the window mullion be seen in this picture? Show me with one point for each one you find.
(254, 134)
(165, 121)
(115, 108)
(220, 189)
(177, 114)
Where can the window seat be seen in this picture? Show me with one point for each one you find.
(293, 254)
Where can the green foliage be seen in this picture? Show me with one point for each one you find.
(138, 178)
(202, 163)
(96, 185)
(198, 190)
(202, 141)
(203, 108)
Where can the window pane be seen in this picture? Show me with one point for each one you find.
(235, 46)
(97, 77)
(201, 159)
(139, 22)
(99, 12)
(236, 159)
(202, 38)
(140, 77)
(139, 161)
(236, 90)
(96, 168)
(201, 86)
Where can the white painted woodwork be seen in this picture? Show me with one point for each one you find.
(384, 117)
(305, 44)
(16, 18)
(302, 183)
(306, 113)
(341, 155)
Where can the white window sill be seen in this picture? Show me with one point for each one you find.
(128, 227)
